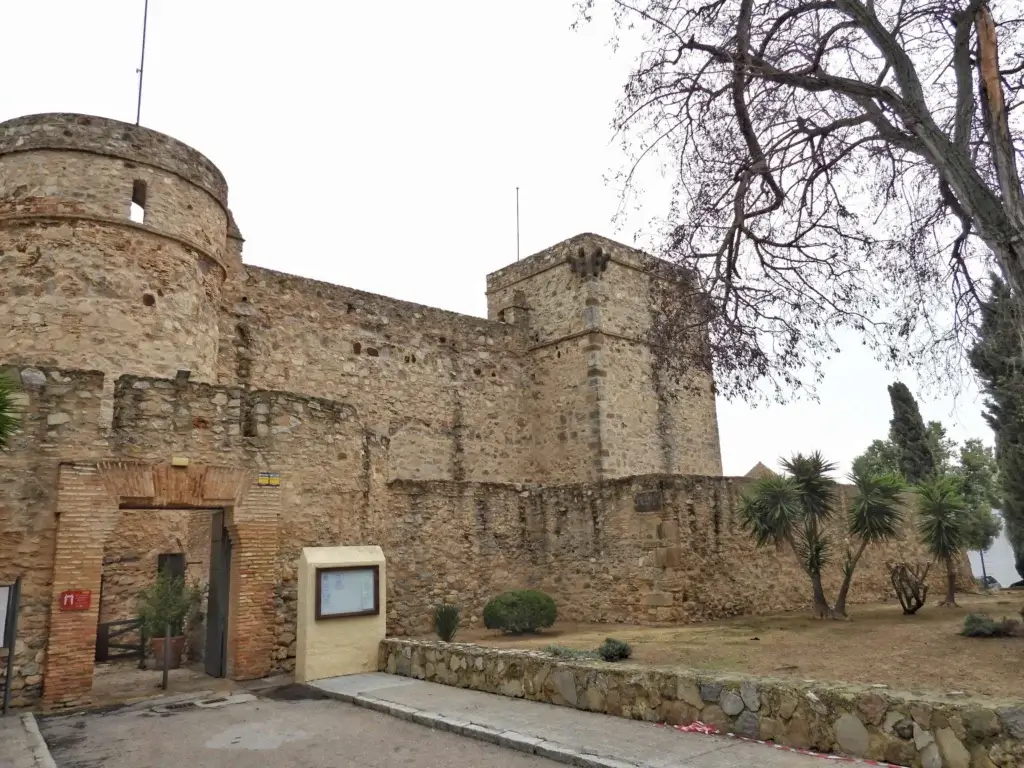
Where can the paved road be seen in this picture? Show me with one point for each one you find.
(264, 733)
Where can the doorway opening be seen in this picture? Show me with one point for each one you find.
(190, 543)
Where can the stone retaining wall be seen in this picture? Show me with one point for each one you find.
(919, 730)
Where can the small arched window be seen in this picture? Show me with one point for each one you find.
(138, 207)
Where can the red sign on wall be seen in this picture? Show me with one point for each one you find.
(75, 600)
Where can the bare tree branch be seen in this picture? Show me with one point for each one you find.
(839, 164)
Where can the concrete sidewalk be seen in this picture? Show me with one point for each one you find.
(21, 745)
(571, 736)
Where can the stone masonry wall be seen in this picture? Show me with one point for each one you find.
(586, 544)
(84, 286)
(598, 402)
(929, 731)
(684, 560)
(446, 390)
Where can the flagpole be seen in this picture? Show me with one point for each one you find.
(142, 62)
(517, 223)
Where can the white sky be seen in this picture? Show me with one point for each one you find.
(379, 145)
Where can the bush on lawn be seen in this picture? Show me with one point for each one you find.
(562, 652)
(519, 611)
(614, 650)
(446, 621)
(979, 625)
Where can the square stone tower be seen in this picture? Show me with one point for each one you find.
(599, 408)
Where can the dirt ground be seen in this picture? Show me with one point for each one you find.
(878, 645)
(122, 681)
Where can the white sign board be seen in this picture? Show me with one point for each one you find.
(347, 592)
(5, 600)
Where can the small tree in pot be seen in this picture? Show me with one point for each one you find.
(170, 602)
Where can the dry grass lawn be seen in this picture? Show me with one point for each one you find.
(878, 645)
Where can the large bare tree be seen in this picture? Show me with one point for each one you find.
(837, 163)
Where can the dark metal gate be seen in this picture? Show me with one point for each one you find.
(110, 648)
(217, 601)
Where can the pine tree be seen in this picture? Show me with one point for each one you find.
(998, 360)
(910, 435)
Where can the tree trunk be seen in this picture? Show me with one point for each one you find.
(840, 609)
(984, 575)
(950, 583)
(821, 607)
(1004, 241)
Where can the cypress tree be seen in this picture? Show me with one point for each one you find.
(908, 433)
(998, 360)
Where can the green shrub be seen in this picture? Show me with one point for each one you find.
(446, 621)
(170, 601)
(614, 650)
(518, 611)
(569, 653)
(980, 625)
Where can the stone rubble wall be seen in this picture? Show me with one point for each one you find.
(600, 408)
(447, 391)
(939, 731)
(653, 549)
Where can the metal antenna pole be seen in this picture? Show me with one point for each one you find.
(142, 62)
(517, 223)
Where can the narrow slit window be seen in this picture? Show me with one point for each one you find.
(138, 208)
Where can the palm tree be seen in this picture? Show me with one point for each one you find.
(876, 515)
(792, 510)
(943, 515)
(8, 410)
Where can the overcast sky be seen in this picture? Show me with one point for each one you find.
(378, 145)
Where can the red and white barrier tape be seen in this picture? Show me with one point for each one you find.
(711, 730)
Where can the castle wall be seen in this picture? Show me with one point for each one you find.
(481, 454)
(447, 390)
(587, 544)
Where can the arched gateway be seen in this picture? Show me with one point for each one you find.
(89, 498)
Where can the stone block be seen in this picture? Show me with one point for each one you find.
(710, 691)
(1012, 721)
(565, 685)
(954, 754)
(899, 752)
(922, 738)
(686, 690)
(746, 725)
(731, 703)
(872, 707)
(655, 599)
(851, 735)
(668, 557)
(750, 695)
(668, 530)
(712, 714)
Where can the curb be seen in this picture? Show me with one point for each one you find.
(40, 752)
(508, 739)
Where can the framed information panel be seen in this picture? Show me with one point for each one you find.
(347, 590)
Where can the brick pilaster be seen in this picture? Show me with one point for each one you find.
(86, 517)
(251, 614)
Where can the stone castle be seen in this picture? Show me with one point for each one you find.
(166, 384)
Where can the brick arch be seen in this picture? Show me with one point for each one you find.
(89, 497)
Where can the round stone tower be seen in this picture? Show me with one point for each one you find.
(113, 248)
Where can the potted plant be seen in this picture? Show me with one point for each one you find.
(169, 602)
